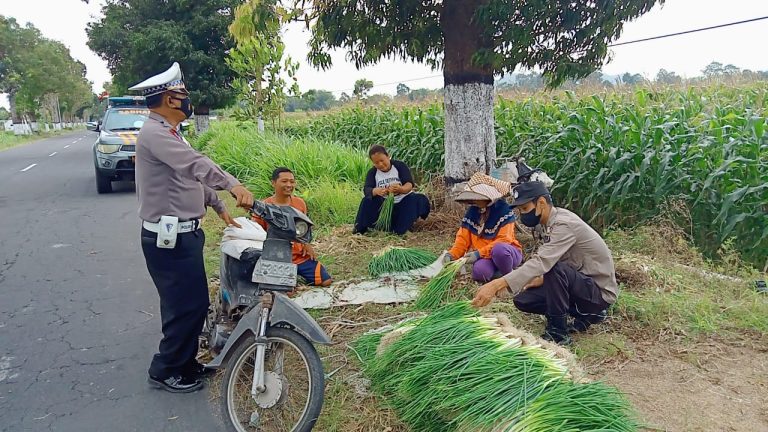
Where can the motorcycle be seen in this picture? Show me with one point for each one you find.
(274, 378)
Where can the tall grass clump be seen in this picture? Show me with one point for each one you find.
(455, 370)
(618, 159)
(329, 175)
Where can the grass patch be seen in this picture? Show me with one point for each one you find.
(329, 175)
(9, 140)
(332, 203)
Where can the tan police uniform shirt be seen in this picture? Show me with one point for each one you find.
(569, 239)
(172, 179)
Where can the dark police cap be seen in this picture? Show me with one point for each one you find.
(527, 192)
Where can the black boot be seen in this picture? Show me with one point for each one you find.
(557, 330)
(582, 322)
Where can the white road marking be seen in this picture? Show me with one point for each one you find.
(74, 141)
(66, 146)
(29, 167)
(52, 154)
(5, 369)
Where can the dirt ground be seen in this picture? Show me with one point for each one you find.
(709, 386)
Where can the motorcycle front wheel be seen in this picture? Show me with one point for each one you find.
(294, 382)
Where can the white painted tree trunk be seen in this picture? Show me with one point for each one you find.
(202, 122)
(470, 141)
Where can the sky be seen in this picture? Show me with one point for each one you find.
(65, 21)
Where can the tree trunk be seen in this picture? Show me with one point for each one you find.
(15, 117)
(470, 141)
(201, 119)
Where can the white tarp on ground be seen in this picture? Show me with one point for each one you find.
(390, 288)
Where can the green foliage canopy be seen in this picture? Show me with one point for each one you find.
(563, 38)
(140, 38)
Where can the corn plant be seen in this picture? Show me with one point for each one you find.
(618, 159)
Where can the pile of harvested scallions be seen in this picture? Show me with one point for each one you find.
(454, 370)
(399, 259)
(436, 291)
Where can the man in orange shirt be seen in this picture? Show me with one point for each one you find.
(304, 256)
(486, 237)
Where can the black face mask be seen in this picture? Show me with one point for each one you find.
(530, 219)
(186, 106)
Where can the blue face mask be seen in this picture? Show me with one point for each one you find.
(530, 219)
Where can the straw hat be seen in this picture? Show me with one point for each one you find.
(482, 187)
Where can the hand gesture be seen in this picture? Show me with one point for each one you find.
(472, 257)
(382, 192)
(225, 216)
(487, 292)
(309, 251)
(243, 196)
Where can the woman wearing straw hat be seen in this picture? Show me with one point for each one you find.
(486, 237)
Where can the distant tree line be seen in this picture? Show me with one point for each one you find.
(712, 72)
(40, 77)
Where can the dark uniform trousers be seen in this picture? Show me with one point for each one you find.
(404, 214)
(179, 276)
(565, 290)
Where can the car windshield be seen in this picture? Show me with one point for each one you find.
(125, 119)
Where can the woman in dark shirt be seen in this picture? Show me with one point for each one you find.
(389, 176)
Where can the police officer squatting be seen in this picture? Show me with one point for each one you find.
(174, 185)
(570, 279)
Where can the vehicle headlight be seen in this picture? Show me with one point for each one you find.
(301, 228)
(107, 148)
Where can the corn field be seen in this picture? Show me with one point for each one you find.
(617, 159)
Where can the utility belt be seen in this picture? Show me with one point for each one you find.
(169, 227)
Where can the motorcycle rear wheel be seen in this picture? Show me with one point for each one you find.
(296, 380)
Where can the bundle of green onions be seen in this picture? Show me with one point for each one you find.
(454, 370)
(436, 290)
(399, 259)
(384, 222)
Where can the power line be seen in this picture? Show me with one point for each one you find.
(609, 45)
(689, 31)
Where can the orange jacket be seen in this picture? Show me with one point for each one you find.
(297, 249)
(466, 241)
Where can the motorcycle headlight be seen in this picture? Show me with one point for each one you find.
(107, 148)
(301, 228)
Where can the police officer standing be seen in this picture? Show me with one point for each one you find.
(572, 272)
(174, 184)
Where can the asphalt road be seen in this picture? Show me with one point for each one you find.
(79, 316)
